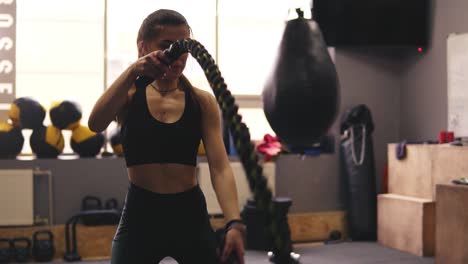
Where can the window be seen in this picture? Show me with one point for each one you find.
(60, 54)
(249, 34)
(64, 54)
(122, 33)
(255, 120)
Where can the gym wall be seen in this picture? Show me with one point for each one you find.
(312, 190)
(424, 85)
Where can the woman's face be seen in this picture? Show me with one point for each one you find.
(165, 37)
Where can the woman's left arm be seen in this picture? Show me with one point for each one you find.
(222, 177)
(221, 173)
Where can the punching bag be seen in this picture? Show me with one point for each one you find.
(300, 97)
(358, 173)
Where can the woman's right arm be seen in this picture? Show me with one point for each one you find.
(113, 100)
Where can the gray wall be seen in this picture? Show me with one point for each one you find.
(73, 179)
(373, 78)
(424, 90)
(312, 182)
(310, 188)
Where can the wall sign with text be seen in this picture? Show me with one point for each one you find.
(7, 53)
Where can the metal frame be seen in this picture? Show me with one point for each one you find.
(48, 174)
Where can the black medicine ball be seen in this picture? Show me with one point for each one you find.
(85, 142)
(47, 142)
(65, 115)
(26, 112)
(11, 141)
(116, 142)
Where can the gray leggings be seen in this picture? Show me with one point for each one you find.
(154, 226)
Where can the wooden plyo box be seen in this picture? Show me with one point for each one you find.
(411, 176)
(424, 167)
(406, 223)
(452, 224)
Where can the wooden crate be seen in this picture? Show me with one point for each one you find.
(316, 226)
(94, 243)
(308, 227)
(452, 224)
(411, 176)
(424, 167)
(406, 223)
(450, 163)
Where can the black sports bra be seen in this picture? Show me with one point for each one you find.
(147, 140)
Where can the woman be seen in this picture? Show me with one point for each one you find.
(162, 124)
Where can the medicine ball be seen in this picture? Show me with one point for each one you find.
(47, 142)
(65, 115)
(11, 141)
(116, 142)
(85, 142)
(26, 112)
(201, 148)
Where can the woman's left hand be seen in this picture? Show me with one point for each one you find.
(234, 242)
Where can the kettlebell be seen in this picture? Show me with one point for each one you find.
(90, 202)
(334, 237)
(22, 252)
(112, 204)
(43, 249)
(6, 252)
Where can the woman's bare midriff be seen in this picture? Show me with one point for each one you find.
(163, 178)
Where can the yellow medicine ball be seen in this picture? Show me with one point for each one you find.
(47, 142)
(85, 142)
(116, 142)
(201, 148)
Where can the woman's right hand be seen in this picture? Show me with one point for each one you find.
(153, 65)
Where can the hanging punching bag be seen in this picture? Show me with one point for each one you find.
(300, 97)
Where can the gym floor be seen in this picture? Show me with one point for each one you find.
(348, 252)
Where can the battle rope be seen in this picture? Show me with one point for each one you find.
(278, 230)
